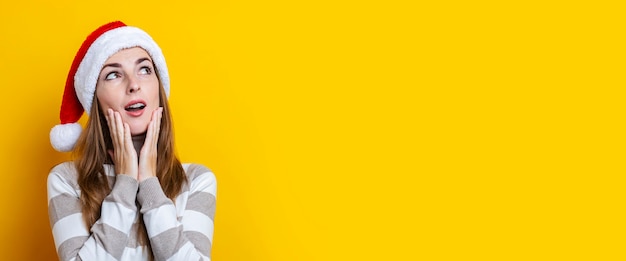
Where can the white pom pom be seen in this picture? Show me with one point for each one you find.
(63, 137)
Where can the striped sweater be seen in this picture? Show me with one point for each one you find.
(180, 230)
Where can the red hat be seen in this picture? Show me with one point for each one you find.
(80, 85)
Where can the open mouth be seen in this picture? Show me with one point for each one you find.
(135, 106)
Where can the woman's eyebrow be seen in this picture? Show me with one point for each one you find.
(117, 65)
(140, 60)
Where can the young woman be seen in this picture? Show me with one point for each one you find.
(125, 196)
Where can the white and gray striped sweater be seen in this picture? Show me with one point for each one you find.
(181, 230)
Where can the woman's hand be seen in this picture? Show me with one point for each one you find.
(148, 154)
(123, 154)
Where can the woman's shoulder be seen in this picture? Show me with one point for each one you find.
(194, 170)
(199, 174)
(63, 174)
(66, 168)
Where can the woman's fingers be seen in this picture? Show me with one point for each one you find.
(152, 136)
(158, 123)
(123, 154)
(156, 126)
(148, 155)
(128, 140)
(119, 128)
(113, 128)
(111, 123)
(116, 128)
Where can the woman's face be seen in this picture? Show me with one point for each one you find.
(129, 85)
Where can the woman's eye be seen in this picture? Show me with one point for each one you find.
(111, 76)
(145, 70)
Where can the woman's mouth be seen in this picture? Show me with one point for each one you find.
(135, 108)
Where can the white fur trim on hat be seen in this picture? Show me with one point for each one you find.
(63, 137)
(107, 45)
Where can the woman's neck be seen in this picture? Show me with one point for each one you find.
(138, 141)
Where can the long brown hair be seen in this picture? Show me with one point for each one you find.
(91, 155)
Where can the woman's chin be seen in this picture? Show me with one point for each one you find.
(138, 131)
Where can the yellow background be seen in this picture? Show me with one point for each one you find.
(355, 130)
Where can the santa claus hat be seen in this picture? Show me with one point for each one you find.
(80, 85)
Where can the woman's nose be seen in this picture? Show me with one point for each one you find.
(133, 85)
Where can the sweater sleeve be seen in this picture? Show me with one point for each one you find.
(107, 238)
(189, 236)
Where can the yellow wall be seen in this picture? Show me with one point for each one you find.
(355, 130)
